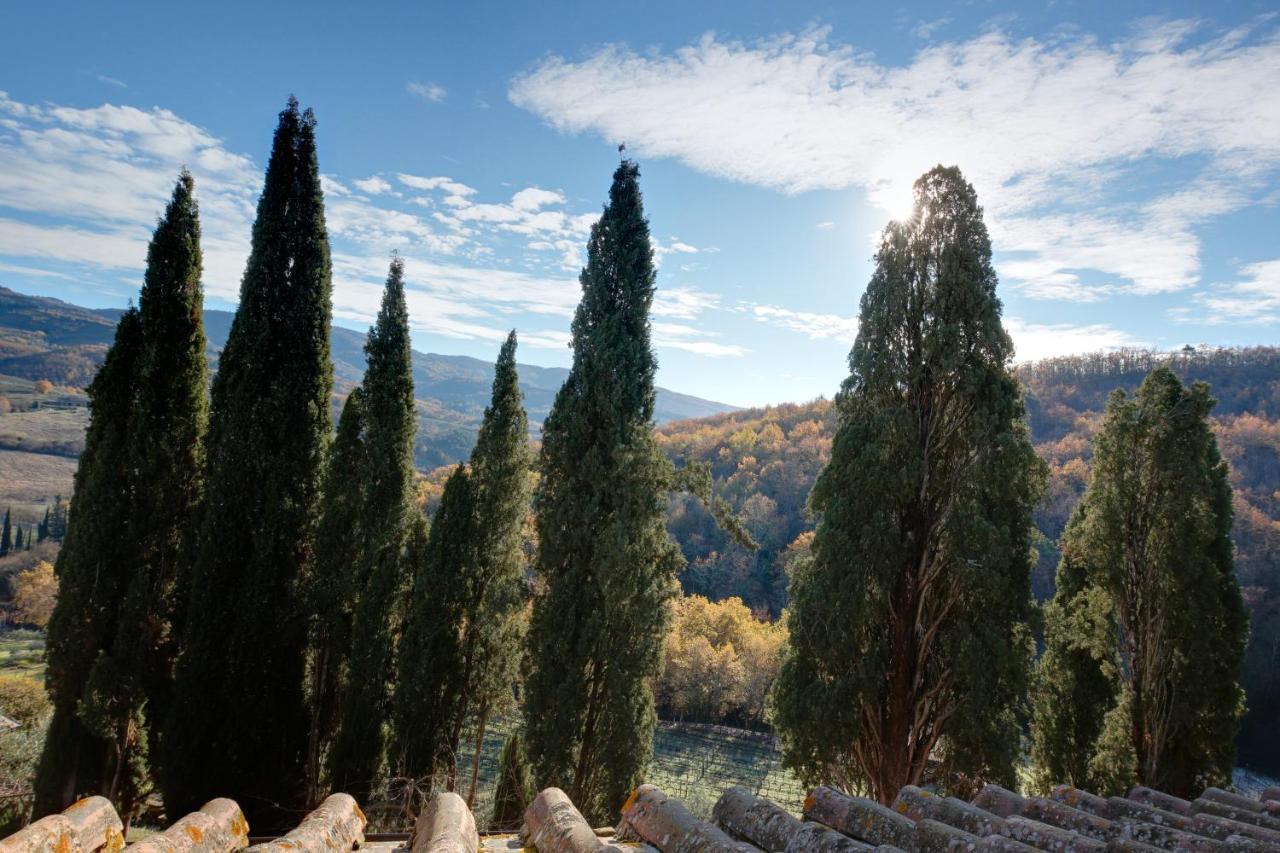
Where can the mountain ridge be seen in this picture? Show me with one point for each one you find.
(42, 337)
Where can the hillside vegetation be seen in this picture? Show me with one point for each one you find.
(764, 462)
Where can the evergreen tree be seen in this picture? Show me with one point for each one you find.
(609, 567)
(430, 655)
(1147, 629)
(93, 569)
(58, 519)
(515, 787)
(132, 681)
(909, 623)
(238, 712)
(6, 537)
(470, 615)
(18, 544)
(331, 588)
(42, 529)
(390, 423)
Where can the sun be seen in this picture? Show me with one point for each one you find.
(896, 197)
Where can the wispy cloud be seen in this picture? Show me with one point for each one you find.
(1253, 298)
(432, 92)
(1052, 132)
(112, 81)
(373, 185)
(815, 326)
(80, 190)
(1034, 341)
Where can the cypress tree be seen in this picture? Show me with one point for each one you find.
(430, 655)
(42, 529)
(1147, 629)
(17, 540)
(331, 587)
(168, 425)
(93, 569)
(58, 519)
(389, 418)
(466, 611)
(609, 567)
(238, 712)
(6, 536)
(515, 787)
(909, 623)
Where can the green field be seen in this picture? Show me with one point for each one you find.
(22, 653)
(690, 761)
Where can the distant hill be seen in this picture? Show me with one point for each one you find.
(45, 338)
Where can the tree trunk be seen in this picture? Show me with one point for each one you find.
(475, 757)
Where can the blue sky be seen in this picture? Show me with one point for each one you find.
(1127, 156)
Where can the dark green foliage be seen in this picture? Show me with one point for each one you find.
(238, 724)
(330, 589)
(169, 419)
(430, 656)
(515, 787)
(604, 556)
(18, 544)
(6, 537)
(42, 529)
(358, 748)
(464, 617)
(57, 519)
(93, 569)
(1147, 625)
(909, 623)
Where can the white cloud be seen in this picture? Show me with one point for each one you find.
(1054, 133)
(433, 92)
(1035, 341)
(1254, 298)
(438, 183)
(825, 226)
(112, 81)
(692, 339)
(373, 185)
(533, 198)
(683, 303)
(816, 326)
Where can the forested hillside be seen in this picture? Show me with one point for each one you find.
(765, 461)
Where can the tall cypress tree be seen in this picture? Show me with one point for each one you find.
(330, 590)
(1147, 626)
(238, 712)
(429, 666)
(169, 421)
(463, 638)
(6, 536)
(93, 569)
(389, 429)
(609, 567)
(161, 412)
(909, 623)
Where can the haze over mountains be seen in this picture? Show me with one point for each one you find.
(45, 338)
